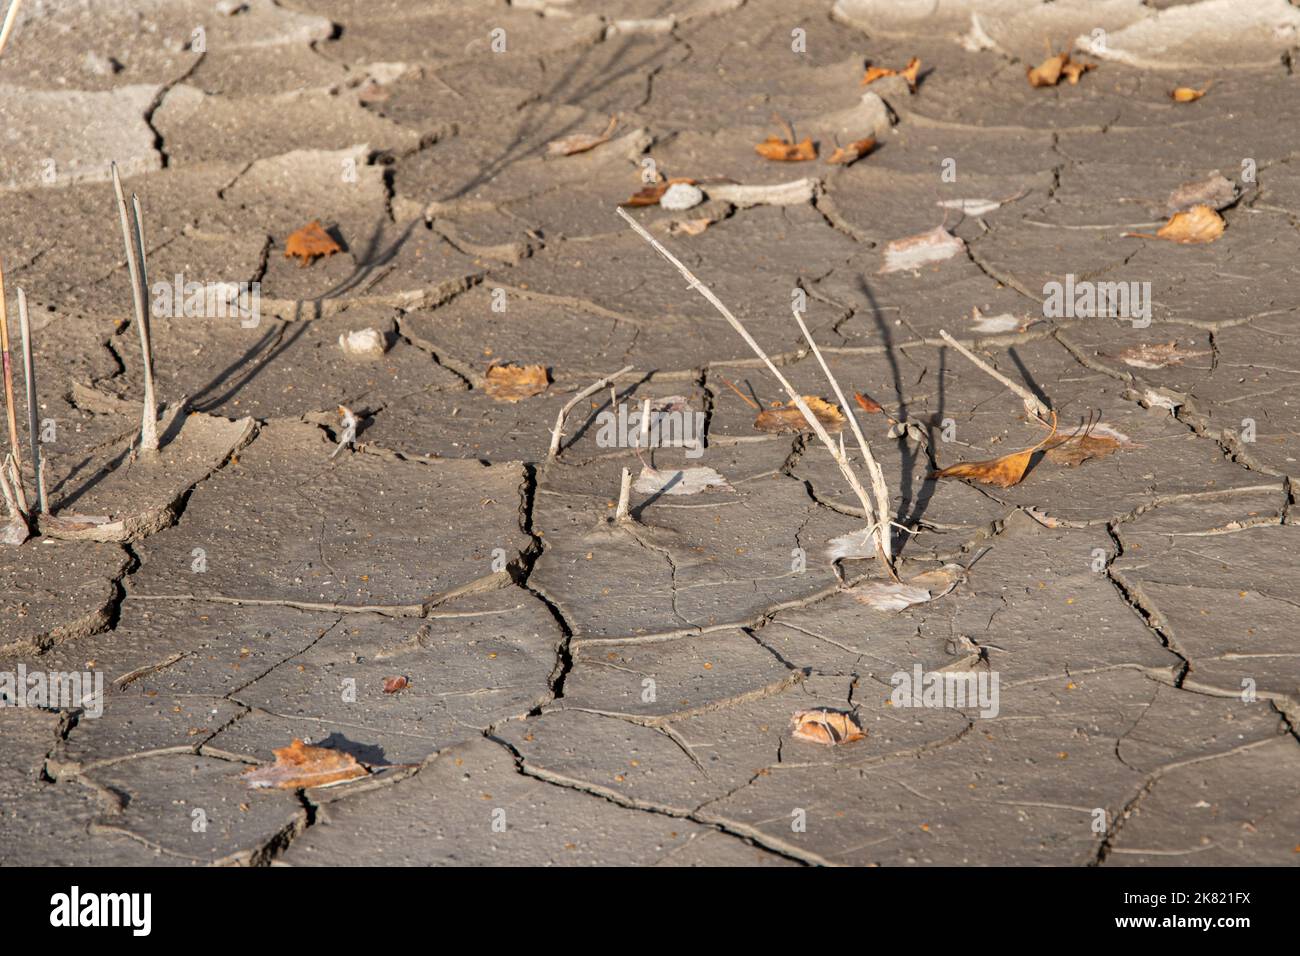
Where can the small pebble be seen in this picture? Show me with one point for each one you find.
(681, 196)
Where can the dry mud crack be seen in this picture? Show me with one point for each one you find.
(376, 542)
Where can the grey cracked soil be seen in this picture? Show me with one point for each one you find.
(582, 690)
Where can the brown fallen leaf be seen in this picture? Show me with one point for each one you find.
(876, 72)
(867, 404)
(394, 684)
(909, 73)
(1196, 225)
(1185, 94)
(788, 418)
(301, 765)
(1073, 70)
(821, 726)
(309, 243)
(650, 195)
(1004, 472)
(1048, 73)
(580, 142)
(847, 155)
(511, 383)
(786, 150)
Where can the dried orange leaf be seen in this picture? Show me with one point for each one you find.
(650, 195)
(821, 726)
(784, 151)
(867, 404)
(309, 243)
(1072, 70)
(846, 155)
(1004, 472)
(788, 418)
(394, 684)
(876, 72)
(908, 73)
(580, 142)
(1048, 73)
(301, 765)
(911, 71)
(511, 383)
(1185, 94)
(1195, 225)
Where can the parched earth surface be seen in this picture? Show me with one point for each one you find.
(583, 690)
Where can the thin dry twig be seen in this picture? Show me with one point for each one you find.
(29, 379)
(743, 397)
(133, 240)
(878, 486)
(11, 18)
(8, 372)
(624, 497)
(556, 432)
(842, 461)
(1032, 402)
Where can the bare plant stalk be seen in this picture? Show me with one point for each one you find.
(878, 486)
(11, 503)
(813, 422)
(7, 28)
(571, 403)
(1032, 402)
(130, 239)
(29, 379)
(8, 372)
(624, 496)
(16, 481)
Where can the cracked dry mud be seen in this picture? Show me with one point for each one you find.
(587, 692)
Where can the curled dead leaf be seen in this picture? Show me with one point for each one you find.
(580, 142)
(650, 195)
(1004, 472)
(301, 765)
(394, 684)
(1192, 226)
(847, 155)
(310, 243)
(1048, 73)
(821, 726)
(786, 150)
(867, 404)
(1186, 94)
(909, 73)
(1051, 70)
(788, 418)
(1072, 70)
(511, 383)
